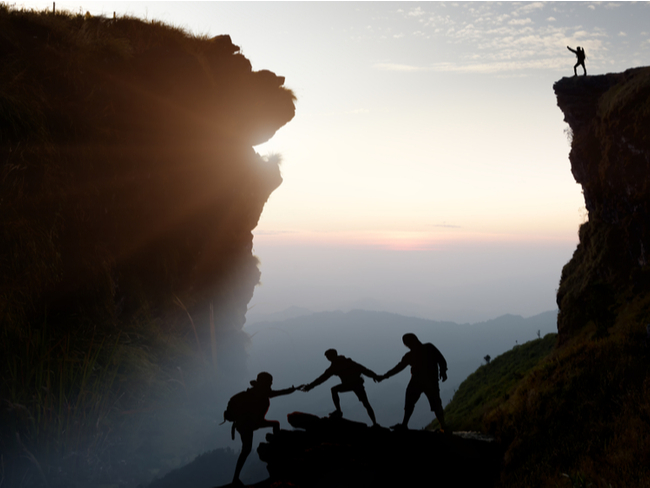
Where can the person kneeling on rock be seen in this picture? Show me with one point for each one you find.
(247, 409)
(350, 373)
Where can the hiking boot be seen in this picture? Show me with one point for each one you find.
(399, 427)
(336, 414)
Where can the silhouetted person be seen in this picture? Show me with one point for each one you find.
(424, 359)
(250, 417)
(580, 53)
(351, 380)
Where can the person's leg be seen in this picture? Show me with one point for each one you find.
(360, 391)
(274, 424)
(433, 395)
(247, 445)
(575, 70)
(335, 397)
(412, 395)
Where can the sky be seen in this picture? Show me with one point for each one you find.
(426, 171)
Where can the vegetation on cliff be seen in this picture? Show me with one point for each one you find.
(129, 188)
(581, 416)
(493, 383)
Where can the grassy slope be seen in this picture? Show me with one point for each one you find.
(583, 412)
(493, 383)
(578, 415)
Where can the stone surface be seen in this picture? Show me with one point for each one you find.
(325, 452)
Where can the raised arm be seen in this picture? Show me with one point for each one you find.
(572, 50)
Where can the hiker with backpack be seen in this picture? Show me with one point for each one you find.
(247, 409)
(351, 380)
(580, 54)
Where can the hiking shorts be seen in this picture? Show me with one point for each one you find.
(431, 390)
(356, 387)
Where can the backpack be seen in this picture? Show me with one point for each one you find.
(353, 367)
(237, 407)
(243, 406)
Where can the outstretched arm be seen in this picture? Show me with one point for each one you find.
(286, 391)
(321, 379)
(572, 50)
(370, 374)
(398, 367)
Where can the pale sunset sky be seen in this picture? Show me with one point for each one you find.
(426, 171)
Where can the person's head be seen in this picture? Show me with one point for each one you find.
(331, 354)
(410, 340)
(264, 380)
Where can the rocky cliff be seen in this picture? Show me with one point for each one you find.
(128, 172)
(609, 117)
(581, 416)
(129, 189)
(325, 452)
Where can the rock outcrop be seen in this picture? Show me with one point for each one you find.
(129, 190)
(325, 452)
(128, 175)
(609, 117)
(581, 415)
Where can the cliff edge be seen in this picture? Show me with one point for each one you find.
(582, 414)
(129, 190)
(609, 117)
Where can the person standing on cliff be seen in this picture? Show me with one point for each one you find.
(350, 373)
(247, 411)
(580, 53)
(425, 361)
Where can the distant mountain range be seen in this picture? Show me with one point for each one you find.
(400, 307)
(292, 351)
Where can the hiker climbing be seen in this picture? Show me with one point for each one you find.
(351, 380)
(425, 361)
(247, 409)
(580, 53)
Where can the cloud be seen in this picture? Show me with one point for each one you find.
(399, 67)
(511, 65)
(415, 12)
(520, 21)
(492, 37)
(531, 7)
